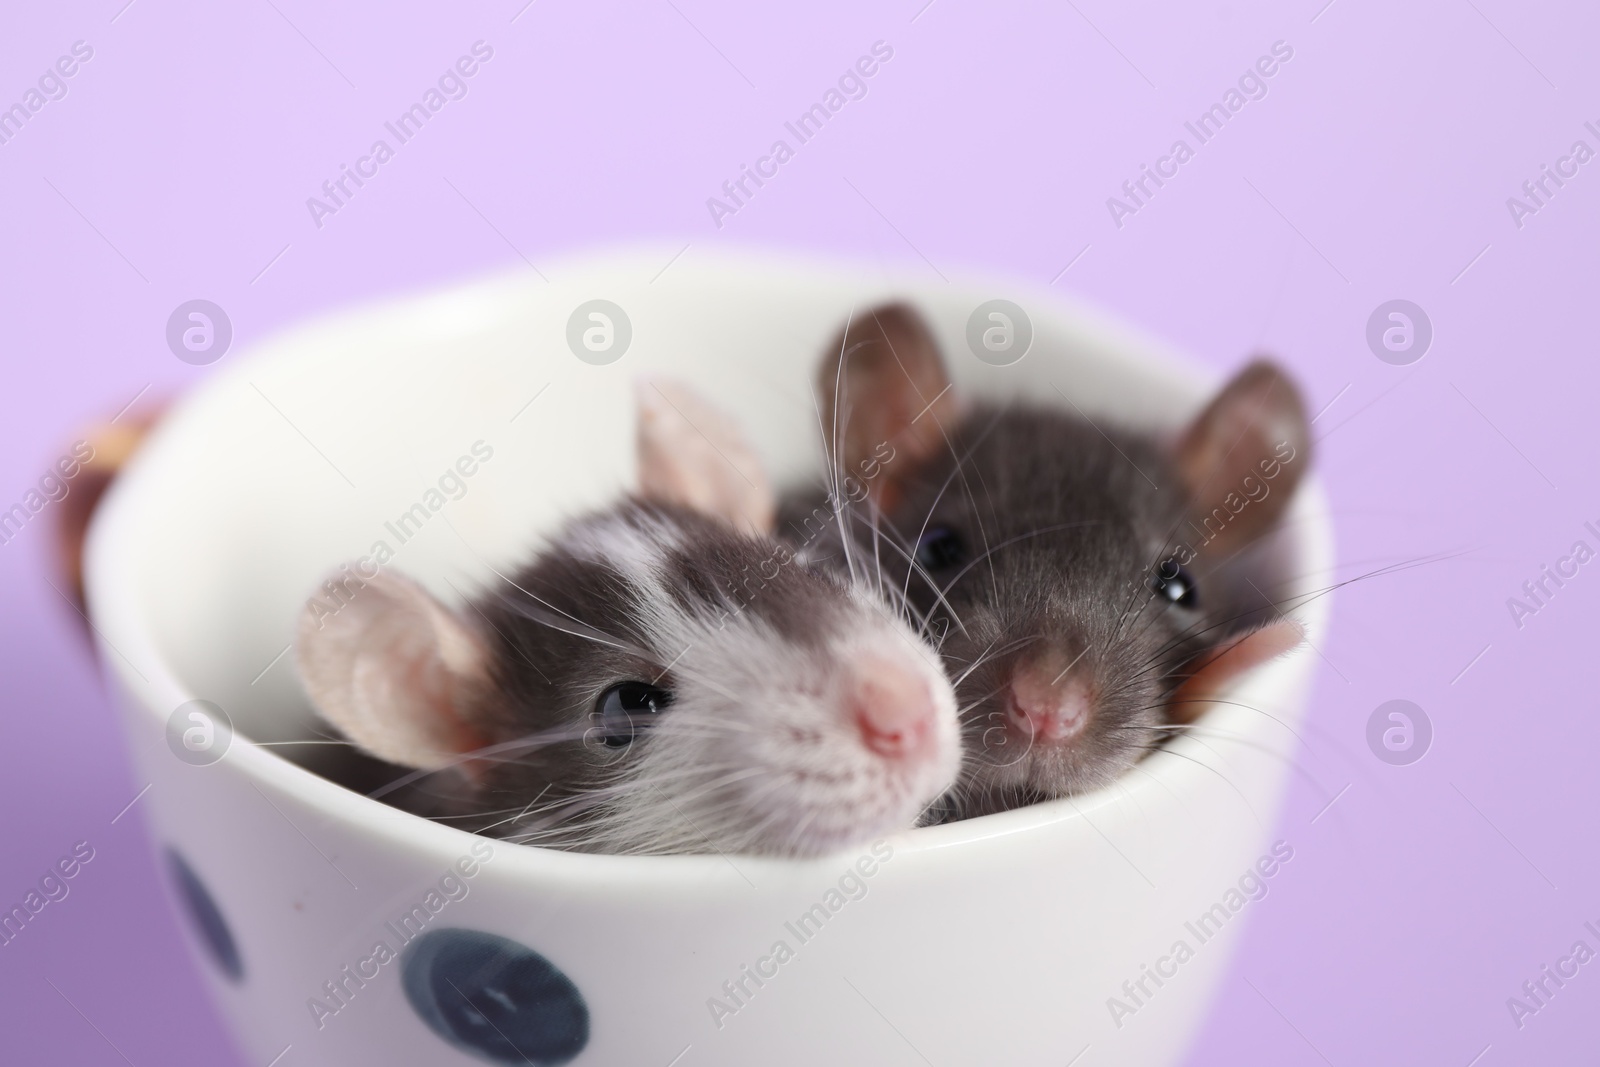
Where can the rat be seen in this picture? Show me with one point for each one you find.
(663, 676)
(1090, 587)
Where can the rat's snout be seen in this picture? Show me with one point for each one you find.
(893, 707)
(1050, 697)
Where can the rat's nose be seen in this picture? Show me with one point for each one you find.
(893, 707)
(1050, 698)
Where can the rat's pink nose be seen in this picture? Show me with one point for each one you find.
(893, 707)
(1050, 698)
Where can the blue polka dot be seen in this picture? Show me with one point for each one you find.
(206, 917)
(494, 998)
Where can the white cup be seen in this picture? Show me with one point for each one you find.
(1010, 939)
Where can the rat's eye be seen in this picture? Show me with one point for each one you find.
(629, 707)
(1173, 584)
(940, 548)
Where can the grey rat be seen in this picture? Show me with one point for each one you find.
(1089, 582)
(663, 677)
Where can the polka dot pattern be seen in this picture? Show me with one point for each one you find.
(206, 917)
(495, 998)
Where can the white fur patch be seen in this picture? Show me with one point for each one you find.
(759, 753)
(634, 544)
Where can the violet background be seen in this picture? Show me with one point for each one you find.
(1377, 167)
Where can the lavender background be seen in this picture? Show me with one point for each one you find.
(1377, 167)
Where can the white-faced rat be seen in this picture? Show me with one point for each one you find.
(1087, 581)
(663, 677)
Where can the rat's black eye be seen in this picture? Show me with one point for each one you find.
(1173, 584)
(940, 548)
(627, 708)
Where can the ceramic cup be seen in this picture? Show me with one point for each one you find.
(336, 930)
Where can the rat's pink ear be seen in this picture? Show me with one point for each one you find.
(692, 455)
(883, 386)
(392, 668)
(1242, 457)
(1222, 666)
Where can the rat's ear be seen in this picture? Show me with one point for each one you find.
(392, 668)
(883, 385)
(1242, 457)
(692, 455)
(1220, 667)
